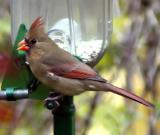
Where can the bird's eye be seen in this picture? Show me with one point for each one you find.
(33, 41)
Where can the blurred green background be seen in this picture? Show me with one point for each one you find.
(132, 61)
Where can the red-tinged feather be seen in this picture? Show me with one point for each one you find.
(37, 23)
(58, 70)
(83, 75)
(76, 72)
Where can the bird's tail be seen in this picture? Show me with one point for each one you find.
(127, 94)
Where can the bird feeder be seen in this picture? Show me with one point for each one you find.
(81, 27)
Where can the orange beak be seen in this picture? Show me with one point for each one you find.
(23, 46)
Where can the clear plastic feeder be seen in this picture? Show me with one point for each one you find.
(82, 27)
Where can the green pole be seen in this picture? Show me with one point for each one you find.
(64, 117)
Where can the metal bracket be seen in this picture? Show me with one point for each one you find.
(12, 95)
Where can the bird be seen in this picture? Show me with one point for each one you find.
(60, 70)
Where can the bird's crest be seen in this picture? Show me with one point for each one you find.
(38, 23)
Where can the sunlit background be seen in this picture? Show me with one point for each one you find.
(131, 61)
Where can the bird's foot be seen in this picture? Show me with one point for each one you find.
(53, 101)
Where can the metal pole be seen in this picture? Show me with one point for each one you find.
(64, 117)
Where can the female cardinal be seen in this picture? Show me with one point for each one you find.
(59, 70)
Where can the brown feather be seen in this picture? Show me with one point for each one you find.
(127, 94)
(37, 23)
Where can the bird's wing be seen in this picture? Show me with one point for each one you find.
(67, 66)
(76, 71)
